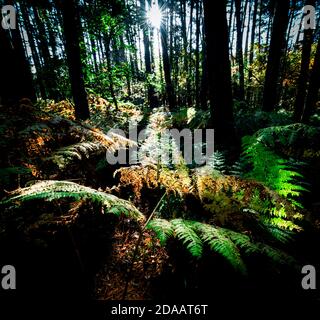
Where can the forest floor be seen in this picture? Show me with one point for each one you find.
(117, 263)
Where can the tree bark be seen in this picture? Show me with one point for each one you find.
(251, 53)
(166, 65)
(71, 24)
(197, 53)
(239, 56)
(219, 73)
(153, 102)
(314, 85)
(16, 78)
(277, 45)
(304, 70)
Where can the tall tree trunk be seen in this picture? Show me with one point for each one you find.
(204, 76)
(246, 46)
(197, 54)
(239, 55)
(34, 52)
(251, 53)
(260, 25)
(230, 17)
(190, 58)
(16, 78)
(304, 70)
(147, 59)
(109, 66)
(285, 55)
(219, 73)
(166, 65)
(314, 86)
(277, 45)
(71, 24)
(50, 80)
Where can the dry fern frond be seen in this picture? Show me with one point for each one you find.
(138, 177)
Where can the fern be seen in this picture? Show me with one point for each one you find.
(218, 162)
(229, 244)
(185, 232)
(55, 190)
(163, 229)
(271, 170)
(66, 155)
(86, 149)
(219, 242)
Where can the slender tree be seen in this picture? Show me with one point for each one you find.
(166, 64)
(71, 25)
(16, 78)
(239, 55)
(304, 70)
(251, 53)
(219, 73)
(277, 45)
(197, 52)
(147, 59)
(314, 86)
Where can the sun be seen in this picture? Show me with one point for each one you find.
(154, 16)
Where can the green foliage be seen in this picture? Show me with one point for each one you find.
(270, 169)
(163, 229)
(184, 231)
(55, 190)
(218, 162)
(218, 241)
(7, 173)
(229, 244)
(248, 122)
(297, 141)
(190, 117)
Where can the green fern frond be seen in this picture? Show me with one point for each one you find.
(282, 223)
(249, 247)
(184, 230)
(163, 229)
(229, 244)
(281, 235)
(219, 242)
(217, 161)
(277, 255)
(275, 173)
(55, 190)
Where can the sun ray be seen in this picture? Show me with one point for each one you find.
(154, 16)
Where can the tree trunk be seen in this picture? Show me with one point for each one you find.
(71, 24)
(197, 54)
(16, 78)
(34, 52)
(166, 65)
(50, 79)
(147, 59)
(239, 56)
(219, 73)
(251, 53)
(314, 85)
(277, 45)
(260, 25)
(304, 70)
(246, 47)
